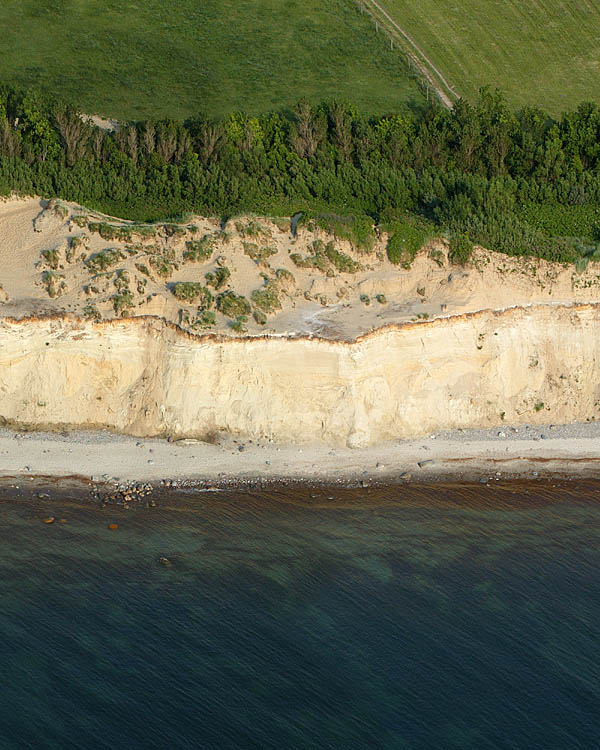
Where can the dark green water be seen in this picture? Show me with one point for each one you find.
(419, 619)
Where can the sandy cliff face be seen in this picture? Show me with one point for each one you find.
(144, 377)
(344, 359)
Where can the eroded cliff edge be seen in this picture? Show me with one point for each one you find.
(143, 376)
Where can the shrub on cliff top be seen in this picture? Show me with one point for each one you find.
(239, 324)
(162, 265)
(317, 260)
(54, 283)
(190, 291)
(356, 229)
(267, 298)
(341, 261)
(259, 317)
(122, 301)
(121, 281)
(110, 232)
(219, 278)
(104, 259)
(406, 238)
(205, 319)
(233, 305)
(461, 249)
(200, 250)
(285, 277)
(259, 254)
(325, 256)
(51, 257)
(91, 312)
(252, 229)
(174, 230)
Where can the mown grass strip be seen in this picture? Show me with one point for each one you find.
(543, 54)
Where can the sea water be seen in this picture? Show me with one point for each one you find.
(421, 618)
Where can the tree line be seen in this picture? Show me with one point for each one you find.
(520, 182)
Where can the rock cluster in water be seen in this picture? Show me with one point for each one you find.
(126, 495)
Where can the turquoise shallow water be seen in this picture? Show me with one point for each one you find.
(391, 619)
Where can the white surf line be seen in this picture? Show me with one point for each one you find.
(445, 99)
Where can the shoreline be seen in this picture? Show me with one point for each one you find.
(100, 457)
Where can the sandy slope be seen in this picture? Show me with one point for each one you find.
(324, 304)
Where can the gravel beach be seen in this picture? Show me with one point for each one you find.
(561, 450)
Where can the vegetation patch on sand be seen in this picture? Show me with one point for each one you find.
(360, 292)
(201, 250)
(358, 230)
(267, 298)
(219, 278)
(189, 291)
(163, 265)
(233, 305)
(105, 259)
(406, 238)
(259, 253)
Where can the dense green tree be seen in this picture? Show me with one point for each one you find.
(520, 182)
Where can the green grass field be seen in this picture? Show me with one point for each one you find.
(540, 52)
(136, 58)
